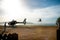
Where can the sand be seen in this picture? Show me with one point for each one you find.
(33, 32)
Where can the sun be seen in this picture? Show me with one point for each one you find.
(14, 9)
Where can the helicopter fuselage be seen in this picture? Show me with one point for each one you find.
(12, 23)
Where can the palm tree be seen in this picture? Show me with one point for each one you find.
(58, 22)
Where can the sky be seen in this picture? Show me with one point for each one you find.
(33, 10)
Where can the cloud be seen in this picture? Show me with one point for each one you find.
(41, 3)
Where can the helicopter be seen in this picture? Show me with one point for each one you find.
(39, 20)
(14, 22)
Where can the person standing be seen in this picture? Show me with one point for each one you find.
(0, 36)
(58, 30)
(5, 37)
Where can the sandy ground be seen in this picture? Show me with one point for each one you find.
(34, 32)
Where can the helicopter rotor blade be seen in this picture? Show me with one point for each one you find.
(3, 22)
(29, 23)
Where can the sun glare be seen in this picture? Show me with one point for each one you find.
(14, 9)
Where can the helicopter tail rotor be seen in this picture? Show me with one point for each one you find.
(24, 21)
